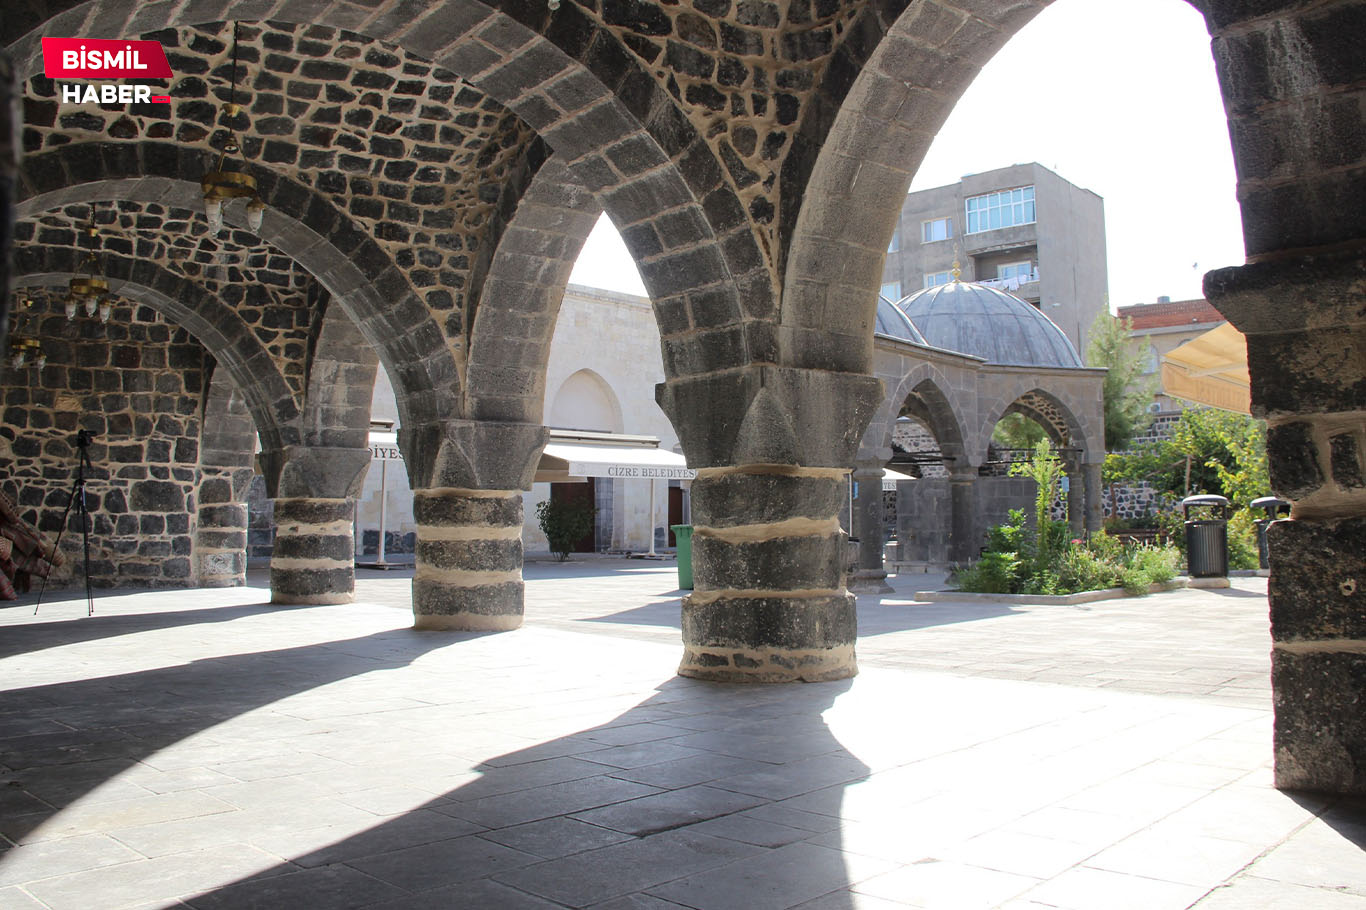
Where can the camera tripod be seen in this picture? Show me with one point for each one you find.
(76, 500)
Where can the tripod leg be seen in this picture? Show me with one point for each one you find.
(77, 489)
(85, 535)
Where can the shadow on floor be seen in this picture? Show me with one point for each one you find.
(613, 815)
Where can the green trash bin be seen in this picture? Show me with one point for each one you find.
(683, 537)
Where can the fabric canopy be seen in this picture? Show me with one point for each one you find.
(890, 479)
(1210, 369)
(562, 461)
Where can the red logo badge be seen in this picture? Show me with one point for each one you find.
(98, 58)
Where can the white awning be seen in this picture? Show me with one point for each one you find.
(1210, 369)
(563, 461)
(890, 479)
(384, 447)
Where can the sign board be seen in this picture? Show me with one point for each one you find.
(384, 447)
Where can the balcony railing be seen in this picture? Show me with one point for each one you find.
(1011, 284)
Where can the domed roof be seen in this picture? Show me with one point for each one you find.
(894, 324)
(982, 321)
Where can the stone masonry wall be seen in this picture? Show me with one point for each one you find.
(137, 384)
(411, 153)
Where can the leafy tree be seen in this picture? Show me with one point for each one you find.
(1210, 451)
(564, 523)
(1016, 431)
(1126, 391)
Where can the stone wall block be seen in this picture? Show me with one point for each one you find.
(784, 563)
(472, 455)
(493, 607)
(312, 586)
(770, 415)
(311, 511)
(446, 507)
(314, 472)
(472, 555)
(727, 500)
(1318, 580)
(1320, 728)
(1293, 459)
(231, 515)
(337, 547)
(1345, 458)
(206, 538)
(769, 639)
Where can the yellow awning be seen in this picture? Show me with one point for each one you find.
(1210, 369)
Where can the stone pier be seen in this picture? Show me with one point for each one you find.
(870, 572)
(467, 478)
(772, 447)
(469, 559)
(1306, 341)
(315, 492)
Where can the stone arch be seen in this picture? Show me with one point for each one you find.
(358, 274)
(226, 457)
(341, 380)
(510, 341)
(1057, 412)
(618, 131)
(883, 112)
(586, 398)
(217, 327)
(924, 385)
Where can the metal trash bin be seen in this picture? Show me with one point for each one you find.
(1207, 536)
(1275, 507)
(683, 537)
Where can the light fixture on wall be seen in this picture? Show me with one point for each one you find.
(92, 290)
(221, 185)
(24, 348)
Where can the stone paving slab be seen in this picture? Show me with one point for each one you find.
(203, 749)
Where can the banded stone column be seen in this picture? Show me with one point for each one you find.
(1306, 343)
(771, 446)
(314, 557)
(870, 574)
(220, 540)
(315, 492)
(469, 560)
(467, 478)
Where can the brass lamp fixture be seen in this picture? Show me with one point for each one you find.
(24, 348)
(91, 290)
(221, 185)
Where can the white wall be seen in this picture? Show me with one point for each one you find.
(613, 336)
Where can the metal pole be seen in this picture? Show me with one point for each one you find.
(652, 516)
(383, 476)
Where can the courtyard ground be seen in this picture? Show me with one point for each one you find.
(203, 749)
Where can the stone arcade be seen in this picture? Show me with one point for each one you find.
(431, 170)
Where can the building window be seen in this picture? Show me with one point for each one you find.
(1017, 271)
(895, 245)
(938, 229)
(934, 279)
(998, 210)
(892, 291)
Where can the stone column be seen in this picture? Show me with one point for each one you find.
(1094, 497)
(964, 541)
(315, 490)
(467, 479)
(220, 542)
(772, 447)
(870, 575)
(1306, 343)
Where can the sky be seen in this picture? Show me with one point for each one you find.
(1117, 96)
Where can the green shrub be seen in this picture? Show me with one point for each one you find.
(1145, 565)
(994, 573)
(563, 523)
(1081, 569)
(1242, 541)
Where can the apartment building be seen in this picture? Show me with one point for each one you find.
(1021, 229)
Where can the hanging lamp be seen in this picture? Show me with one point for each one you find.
(222, 185)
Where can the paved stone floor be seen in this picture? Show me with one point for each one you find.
(202, 749)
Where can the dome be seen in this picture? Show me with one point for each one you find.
(987, 323)
(894, 324)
